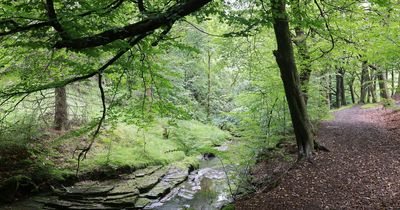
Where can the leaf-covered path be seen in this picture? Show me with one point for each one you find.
(362, 171)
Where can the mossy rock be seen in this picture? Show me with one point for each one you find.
(15, 185)
(142, 202)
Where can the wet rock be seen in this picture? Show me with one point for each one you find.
(147, 171)
(187, 194)
(54, 202)
(124, 187)
(161, 189)
(122, 202)
(119, 197)
(88, 190)
(176, 176)
(146, 183)
(142, 202)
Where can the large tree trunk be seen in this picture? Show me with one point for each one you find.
(285, 58)
(61, 109)
(364, 84)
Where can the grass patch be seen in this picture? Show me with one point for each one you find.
(328, 117)
(343, 108)
(370, 106)
(134, 147)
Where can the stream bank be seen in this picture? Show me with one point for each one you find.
(155, 187)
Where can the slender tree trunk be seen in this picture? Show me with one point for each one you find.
(364, 85)
(343, 90)
(351, 87)
(209, 85)
(392, 79)
(285, 58)
(338, 90)
(305, 66)
(330, 90)
(61, 109)
(372, 86)
(326, 90)
(398, 83)
(381, 81)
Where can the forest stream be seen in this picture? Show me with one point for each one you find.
(155, 187)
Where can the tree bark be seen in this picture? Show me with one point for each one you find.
(382, 82)
(398, 83)
(338, 90)
(305, 67)
(364, 80)
(61, 109)
(392, 80)
(372, 85)
(209, 85)
(351, 87)
(285, 58)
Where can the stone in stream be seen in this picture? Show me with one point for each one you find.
(161, 189)
(174, 177)
(142, 202)
(187, 194)
(146, 183)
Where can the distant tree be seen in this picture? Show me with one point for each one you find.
(61, 109)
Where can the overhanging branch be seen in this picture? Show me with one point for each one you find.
(135, 29)
(78, 78)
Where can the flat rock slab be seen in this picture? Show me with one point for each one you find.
(88, 190)
(147, 171)
(161, 189)
(124, 187)
(133, 193)
(54, 202)
(146, 183)
(173, 177)
(142, 202)
(176, 176)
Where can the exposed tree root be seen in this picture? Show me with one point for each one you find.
(319, 147)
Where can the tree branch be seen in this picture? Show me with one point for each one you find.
(51, 13)
(78, 78)
(26, 28)
(150, 24)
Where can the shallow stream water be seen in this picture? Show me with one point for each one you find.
(206, 189)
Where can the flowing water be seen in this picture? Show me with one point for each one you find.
(206, 189)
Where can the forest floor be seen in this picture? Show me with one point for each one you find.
(362, 171)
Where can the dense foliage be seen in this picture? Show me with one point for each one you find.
(150, 82)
